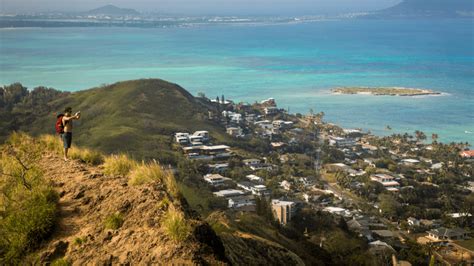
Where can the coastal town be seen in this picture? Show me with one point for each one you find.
(395, 192)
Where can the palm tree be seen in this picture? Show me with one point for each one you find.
(420, 135)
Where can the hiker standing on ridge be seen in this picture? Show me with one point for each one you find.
(64, 128)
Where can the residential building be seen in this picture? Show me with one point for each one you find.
(283, 210)
(387, 181)
(443, 234)
(260, 190)
(216, 179)
(413, 221)
(182, 138)
(467, 154)
(218, 167)
(281, 124)
(226, 193)
(410, 161)
(264, 124)
(249, 162)
(383, 234)
(203, 134)
(268, 102)
(271, 110)
(285, 185)
(241, 201)
(341, 142)
(255, 178)
(245, 185)
(234, 131)
(338, 211)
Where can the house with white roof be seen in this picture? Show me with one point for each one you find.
(241, 201)
(216, 179)
(255, 178)
(387, 181)
(229, 193)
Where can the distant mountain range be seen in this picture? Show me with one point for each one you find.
(111, 10)
(429, 8)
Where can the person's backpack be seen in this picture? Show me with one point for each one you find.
(59, 124)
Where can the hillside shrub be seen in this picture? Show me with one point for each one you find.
(113, 221)
(61, 262)
(28, 204)
(175, 225)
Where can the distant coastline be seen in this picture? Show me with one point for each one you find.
(384, 91)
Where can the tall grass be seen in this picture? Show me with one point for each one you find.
(118, 165)
(51, 143)
(88, 156)
(175, 225)
(146, 173)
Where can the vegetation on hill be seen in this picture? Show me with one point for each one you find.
(28, 203)
(135, 117)
(53, 211)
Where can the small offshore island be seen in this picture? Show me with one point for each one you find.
(388, 91)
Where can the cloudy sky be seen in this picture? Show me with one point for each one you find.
(203, 6)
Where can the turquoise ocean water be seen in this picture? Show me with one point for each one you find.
(297, 64)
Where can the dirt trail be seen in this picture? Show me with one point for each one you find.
(87, 197)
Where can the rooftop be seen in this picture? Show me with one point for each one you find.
(282, 202)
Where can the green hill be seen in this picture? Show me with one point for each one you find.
(138, 117)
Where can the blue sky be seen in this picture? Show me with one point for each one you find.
(241, 7)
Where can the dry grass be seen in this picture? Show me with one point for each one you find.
(171, 184)
(88, 156)
(51, 143)
(146, 173)
(118, 165)
(175, 225)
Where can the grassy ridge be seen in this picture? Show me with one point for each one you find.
(136, 117)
